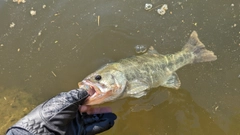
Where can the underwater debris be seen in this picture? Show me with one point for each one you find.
(12, 25)
(148, 6)
(33, 12)
(160, 11)
(98, 20)
(163, 9)
(19, 1)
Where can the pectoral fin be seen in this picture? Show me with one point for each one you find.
(137, 88)
(172, 81)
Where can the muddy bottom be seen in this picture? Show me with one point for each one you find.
(15, 104)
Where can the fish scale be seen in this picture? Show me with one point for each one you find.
(143, 67)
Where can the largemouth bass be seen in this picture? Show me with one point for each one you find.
(131, 77)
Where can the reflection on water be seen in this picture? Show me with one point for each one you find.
(147, 103)
(178, 114)
(65, 41)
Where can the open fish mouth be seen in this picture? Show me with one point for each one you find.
(91, 89)
(95, 94)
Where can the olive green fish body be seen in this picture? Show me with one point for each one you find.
(153, 68)
(133, 76)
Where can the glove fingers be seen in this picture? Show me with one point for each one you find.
(88, 119)
(98, 127)
(98, 123)
(110, 116)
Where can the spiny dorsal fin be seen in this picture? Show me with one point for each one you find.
(152, 51)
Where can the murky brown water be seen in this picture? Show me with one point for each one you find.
(51, 51)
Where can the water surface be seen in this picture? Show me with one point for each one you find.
(47, 53)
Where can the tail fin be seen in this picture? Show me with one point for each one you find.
(195, 46)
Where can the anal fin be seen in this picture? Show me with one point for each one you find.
(172, 81)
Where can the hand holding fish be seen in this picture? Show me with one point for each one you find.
(64, 114)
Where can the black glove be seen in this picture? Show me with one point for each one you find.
(91, 124)
(98, 123)
(60, 115)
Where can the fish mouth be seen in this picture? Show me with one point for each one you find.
(95, 94)
(91, 89)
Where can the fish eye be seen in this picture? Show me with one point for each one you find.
(98, 77)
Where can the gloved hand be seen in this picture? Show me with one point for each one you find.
(61, 115)
(96, 123)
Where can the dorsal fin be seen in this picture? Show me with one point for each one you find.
(151, 50)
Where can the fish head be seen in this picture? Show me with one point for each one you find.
(104, 85)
